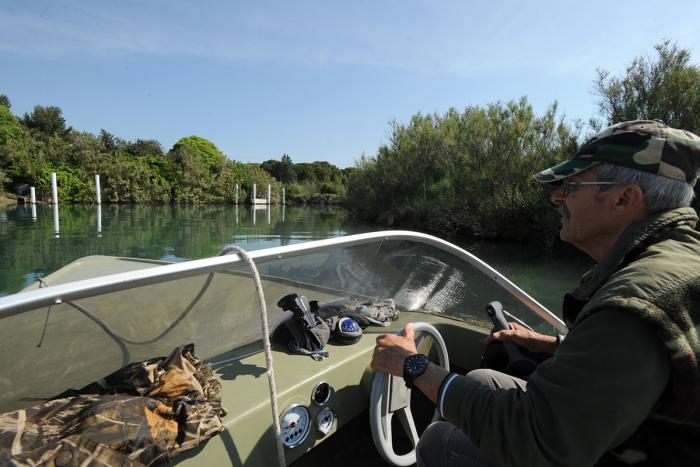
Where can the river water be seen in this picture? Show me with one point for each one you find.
(34, 243)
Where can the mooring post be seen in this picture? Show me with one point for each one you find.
(34, 212)
(97, 189)
(269, 191)
(236, 196)
(54, 189)
(283, 197)
(32, 195)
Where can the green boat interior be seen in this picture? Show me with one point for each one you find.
(62, 334)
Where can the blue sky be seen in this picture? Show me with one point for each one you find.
(318, 80)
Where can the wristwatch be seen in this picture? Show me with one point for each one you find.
(413, 367)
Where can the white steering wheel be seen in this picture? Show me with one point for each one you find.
(390, 395)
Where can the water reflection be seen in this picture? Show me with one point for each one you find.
(35, 241)
(40, 239)
(56, 225)
(99, 218)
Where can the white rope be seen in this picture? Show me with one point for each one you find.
(268, 350)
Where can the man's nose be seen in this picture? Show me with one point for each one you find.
(558, 196)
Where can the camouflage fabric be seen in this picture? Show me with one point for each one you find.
(645, 145)
(144, 413)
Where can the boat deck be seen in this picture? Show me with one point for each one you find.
(249, 438)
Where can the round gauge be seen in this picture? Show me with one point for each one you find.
(325, 421)
(295, 423)
(321, 393)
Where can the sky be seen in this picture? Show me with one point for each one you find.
(317, 80)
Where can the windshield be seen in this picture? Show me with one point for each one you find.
(70, 344)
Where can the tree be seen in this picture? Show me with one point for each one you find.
(283, 169)
(5, 101)
(144, 147)
(107, 141)
(47, 121)
(286, 170)
(202, 150)
(197, 167)
(13, 146)
(664, 87)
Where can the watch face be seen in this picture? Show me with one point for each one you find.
(415, 365)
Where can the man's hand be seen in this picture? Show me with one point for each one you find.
(392, 350)
(531, 340)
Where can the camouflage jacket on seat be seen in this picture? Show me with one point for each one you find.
(142, 414)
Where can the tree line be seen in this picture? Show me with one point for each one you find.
(464, 172)
(194, 170)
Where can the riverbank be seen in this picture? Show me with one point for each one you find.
(7, 200)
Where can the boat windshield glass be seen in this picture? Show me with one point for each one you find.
(71, 344)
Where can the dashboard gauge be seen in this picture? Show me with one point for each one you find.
(294, 423)
(321, 393)
(325, 421)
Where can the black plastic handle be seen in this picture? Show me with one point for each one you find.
(495, 312)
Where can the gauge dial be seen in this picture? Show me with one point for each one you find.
(321, 393)
(295, 423)
(325, 421)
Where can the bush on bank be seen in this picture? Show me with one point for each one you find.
(466, 173)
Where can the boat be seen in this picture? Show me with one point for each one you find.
(99, 313)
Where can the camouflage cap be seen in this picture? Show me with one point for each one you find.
(646, 145)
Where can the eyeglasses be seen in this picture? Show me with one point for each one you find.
(569, 186)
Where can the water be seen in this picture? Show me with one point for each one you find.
(35, 246)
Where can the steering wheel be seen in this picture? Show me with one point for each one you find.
(391, 396)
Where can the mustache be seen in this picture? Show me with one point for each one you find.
(563, 210)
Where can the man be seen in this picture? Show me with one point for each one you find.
(623, 388)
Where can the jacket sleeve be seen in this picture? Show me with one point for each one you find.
(589, 397)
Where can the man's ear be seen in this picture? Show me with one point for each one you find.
(630, 199)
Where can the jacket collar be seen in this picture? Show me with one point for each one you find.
(631, 242)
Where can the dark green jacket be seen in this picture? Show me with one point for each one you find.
(612, 381)
(653, 273)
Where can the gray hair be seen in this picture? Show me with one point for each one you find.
(660, 193)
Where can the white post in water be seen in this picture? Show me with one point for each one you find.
(283, 200)
(268, 212)
(32, 195)
(236, 214)
(54, 188)
(99, 220)
(253, 208)
(269, 188)
(283, 213)
(236, 196)
(56, 228)
(97, 189)
(33, 212)
(254, 194)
